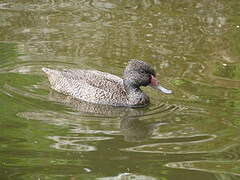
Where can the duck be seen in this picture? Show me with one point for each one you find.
(104, 88)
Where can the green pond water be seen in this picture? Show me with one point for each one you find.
(192, 134)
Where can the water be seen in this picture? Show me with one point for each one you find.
(190, 134)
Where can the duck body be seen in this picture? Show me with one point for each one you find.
(104, 88)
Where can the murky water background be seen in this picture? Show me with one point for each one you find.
(191, 134)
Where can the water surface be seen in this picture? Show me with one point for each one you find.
(190, 134)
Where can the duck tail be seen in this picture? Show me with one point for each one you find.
(52, 75)
(48, 71)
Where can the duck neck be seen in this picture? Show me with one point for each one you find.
(130, 86)
(136, 96)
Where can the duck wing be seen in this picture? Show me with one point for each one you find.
(88, 85)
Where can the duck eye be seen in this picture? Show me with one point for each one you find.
(142, 71)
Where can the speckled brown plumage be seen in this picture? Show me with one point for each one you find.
(104, 88)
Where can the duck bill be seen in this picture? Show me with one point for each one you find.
(155, 84)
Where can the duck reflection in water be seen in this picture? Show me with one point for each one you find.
(135, 130)
(132, 128)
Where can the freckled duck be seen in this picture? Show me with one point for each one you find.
(104, 88)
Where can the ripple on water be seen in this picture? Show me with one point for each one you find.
(230, 153)
(53, 6)
(224, 162)
(226, 167)
(177, 145)
(76, 124)
(128, 176)
(31, 67)
(162, 110)
(71, 143)
(27, 92)
(103, 5)
(71, 120)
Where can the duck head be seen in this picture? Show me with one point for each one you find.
(139, 73)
